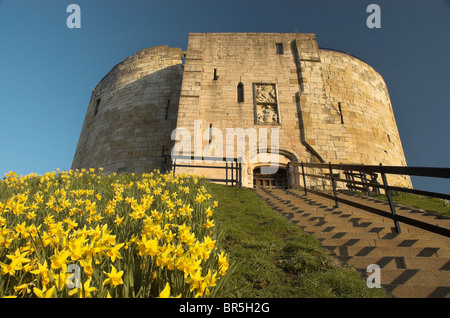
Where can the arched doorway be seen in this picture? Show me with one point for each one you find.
(277, 180)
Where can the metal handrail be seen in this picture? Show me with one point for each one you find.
(383, 171)
(234, 165)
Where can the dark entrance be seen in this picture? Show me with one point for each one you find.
(274, 181)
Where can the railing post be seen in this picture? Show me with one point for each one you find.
(334, 186)
(391, 202)
(240, 173)
(226, 172)
(304, 178)
(352, 176)
(232, 173)
(346, 178)
(288, 175)
(364, 179)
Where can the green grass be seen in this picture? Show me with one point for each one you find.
(274, 257)
(434, 205)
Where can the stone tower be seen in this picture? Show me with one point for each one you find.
(132, 113)
(325, 106)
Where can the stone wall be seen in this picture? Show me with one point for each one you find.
(364, 129)
(250, 60)
(328, 106)
(132, 113)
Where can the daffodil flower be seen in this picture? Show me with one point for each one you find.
(114, 277)
(44, 293)
(86, 289)
(165, 293)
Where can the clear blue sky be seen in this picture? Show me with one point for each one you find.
(48, 71)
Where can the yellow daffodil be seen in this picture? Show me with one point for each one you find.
(114, 278)
(165, 293)
(118, 220)
(42, 270)
(87, 267)
(113, 252)
(147, 247)
(59, 259)
(223, 263)
(209, 224)
(194, 280)
(44, 292)
(23, 289)
(86, 290)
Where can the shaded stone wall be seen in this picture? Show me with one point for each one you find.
(132, 113)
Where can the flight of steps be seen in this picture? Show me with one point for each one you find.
(414, 263)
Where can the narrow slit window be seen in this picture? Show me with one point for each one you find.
(279, 47)
(210, 133)
(216, 77)
(340, 112)
(167, 109)
(97, 103)
(240, 93)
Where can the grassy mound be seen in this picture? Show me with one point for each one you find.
(275, 258)
(439, 207)
(436, 206)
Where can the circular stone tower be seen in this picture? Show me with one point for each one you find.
(132, 113)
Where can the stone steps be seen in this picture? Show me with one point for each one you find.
(418, 291)
(413, 263)
(353, 240)
(419, 252)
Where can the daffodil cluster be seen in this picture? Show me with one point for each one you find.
(86, 234)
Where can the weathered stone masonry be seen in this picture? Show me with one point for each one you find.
(132, 113)
(328, 106)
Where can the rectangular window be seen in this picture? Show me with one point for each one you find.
(279, 48)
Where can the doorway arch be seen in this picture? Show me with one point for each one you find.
(276, 180)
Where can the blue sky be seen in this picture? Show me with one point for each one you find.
(48, 71)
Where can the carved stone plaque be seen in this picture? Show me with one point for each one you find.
(265, 93)
(266, 105)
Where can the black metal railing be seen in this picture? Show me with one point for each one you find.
(232, 167)
(358, 181)
(368, 178)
